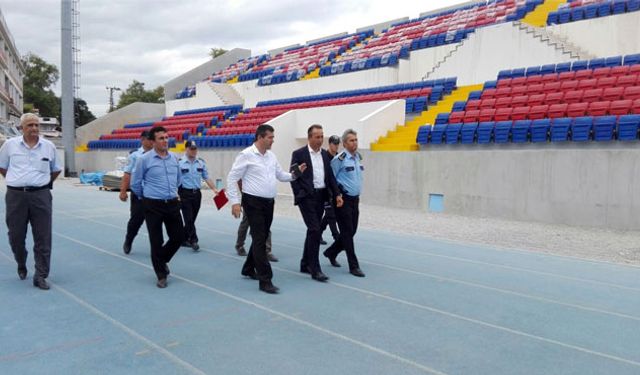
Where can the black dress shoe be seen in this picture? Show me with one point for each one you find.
(319, 276)
(304, 269)
(251, 275)
(332, 260)
(126, 247)
(186, 244)
(357, 272)
(41, 283)
(268, 287)
(195, 246)
(323, 242)
(22, 273)
(167, 270)
(271, 257)
(162, 283)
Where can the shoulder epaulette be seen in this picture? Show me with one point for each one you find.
(342, 155)
(132, 151)
(201, 159)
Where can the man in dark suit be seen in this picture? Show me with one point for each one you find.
(311, 189)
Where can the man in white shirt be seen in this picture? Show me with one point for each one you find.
(29, 165)
(259, 171)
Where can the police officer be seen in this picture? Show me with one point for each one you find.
(136, 216)
(193, 170)
(329, 218)
(156, 178)
(30, 166)
(348, 169)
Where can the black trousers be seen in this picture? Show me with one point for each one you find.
(24, 208)
(347, 217)
(312, 208)
(157, 213)
(329, 219)
(190, 200)
(260, 213)
(136, 218)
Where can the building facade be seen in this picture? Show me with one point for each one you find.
(12, 72)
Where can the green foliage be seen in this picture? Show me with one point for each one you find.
(137, 93)
(39, 78)
(82, 113)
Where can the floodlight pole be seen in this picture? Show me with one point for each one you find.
(68, 120)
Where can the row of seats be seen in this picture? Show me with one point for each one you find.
(601, 108)
(222, 141)
(601, 9)
(612, 85)
(600, 62)
(579, 129)
(551, 98)
(127, 144)
(231, 109)
(618, 71)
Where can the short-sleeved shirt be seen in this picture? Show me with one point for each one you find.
(193, 172)
(28, 167)
(156, 177)
(348, 170)
(131, 160)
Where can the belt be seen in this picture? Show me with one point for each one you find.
(28, 188)
(320, 190)
(172, 200)
(190, 190)
(258, 198)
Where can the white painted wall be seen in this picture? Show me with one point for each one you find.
(605, 36)
(423, 61)
(495, 48)
(205, 97)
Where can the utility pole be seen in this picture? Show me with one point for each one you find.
(111, 90)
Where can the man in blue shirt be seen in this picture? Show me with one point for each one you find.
(193, 170)
(156, 178)
(136, 209)
(347, 167)
(30, 166)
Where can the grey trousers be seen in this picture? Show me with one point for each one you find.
(242, 234)
(24, 208)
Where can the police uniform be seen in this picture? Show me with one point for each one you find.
(136, 208)
(348, 170)
(193, 172)
(29, 173)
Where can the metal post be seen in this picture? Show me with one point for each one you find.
(68, 120)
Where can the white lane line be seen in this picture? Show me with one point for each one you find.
(268, 310)
(172, 357)
(453, 280)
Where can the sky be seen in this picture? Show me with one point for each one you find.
(153, 41)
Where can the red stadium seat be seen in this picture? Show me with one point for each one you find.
(456, 117)
(486, 114)
(470, 116)
(550, 77)
(577, 109)
(537, 99)
(537, 112)
(569, 85)
(504, 82)
(503, 102)
(606, 82)
(520, 113)
(503, 92)
(551, 87)
(601, 72)
(635, 109)
(632, 92)
(518, 81)
(612, 93)
(554, 98)
(566, 76)
(472, 104)
(519, 90)
(487, 103)
(626, 81)
(518, 101)
(618, 71)
(583, 74)
(592, 95)
(574, 96)
(587, 84)
(557, 110)
(598, 108)
(532, 80)
(620, 107)
(503, 114)
(488, 94)
(535, 89)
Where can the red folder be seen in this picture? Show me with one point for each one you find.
(220, 199)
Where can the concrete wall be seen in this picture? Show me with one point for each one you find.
(205, 97)
(603, 37)
(585, 185)
(133, 113)
(202, 71)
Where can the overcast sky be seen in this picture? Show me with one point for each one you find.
(154, 41)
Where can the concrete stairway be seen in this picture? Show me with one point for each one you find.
(227, 94)
(403, 138)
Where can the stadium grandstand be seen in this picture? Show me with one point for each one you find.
(497, 107)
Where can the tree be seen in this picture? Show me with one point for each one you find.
(82, 113)
(137, 93)
(215, 52)
(39, 78)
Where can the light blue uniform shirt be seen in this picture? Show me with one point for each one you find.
(348, 171)
(131, 160)
(156, 177)
(28, 167)
(193, 172)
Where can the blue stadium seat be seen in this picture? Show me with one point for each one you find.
(619, 6)
(520, 131)
(628, 126)
(577, 14)
(548, 68)
(485, 132)
(591, 11)
(437, 133)
(581, 128)
(504, 74)
(457, 107)
(613, 61)
(490, 85)
(552, 18)
(579, 65)
(632, 59)
(502, 131)
(563, 67)
(633, 5)
(468, 132)
(560, 129)
(564, 15)
(603, 128)
(420, 104)
(423, 135)
(540, 130)
(442, 118)
(452, 133)
(533, 71)
(519, 72)
(604, 9)
(596, 63)
(475, 95)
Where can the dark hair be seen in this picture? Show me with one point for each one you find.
(153, 131)
(144, 134)
(262, 130)
(334, 139)
(310, 130)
